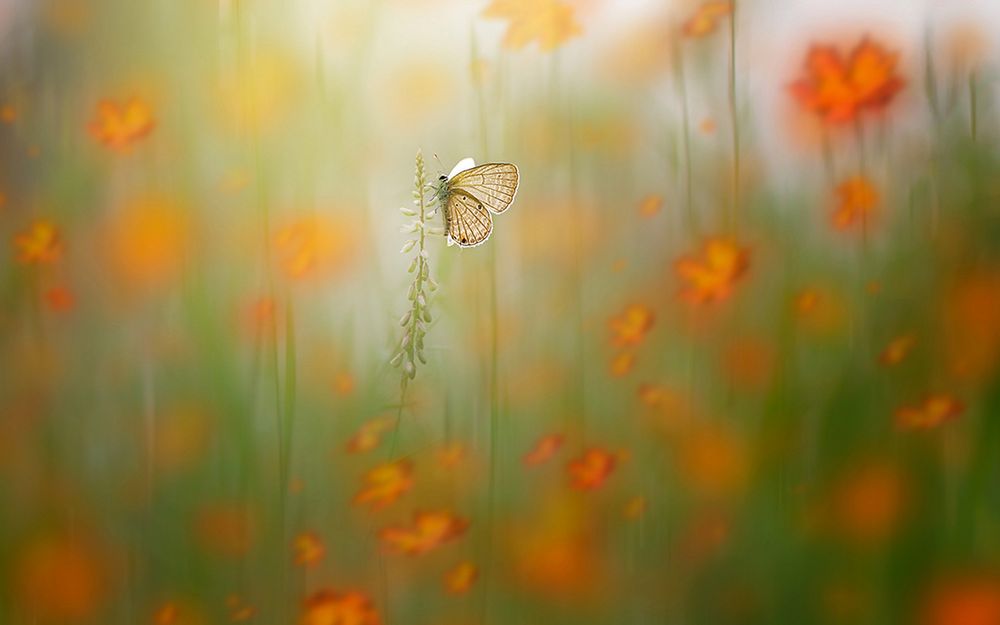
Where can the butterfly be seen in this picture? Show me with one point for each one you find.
(469, 194)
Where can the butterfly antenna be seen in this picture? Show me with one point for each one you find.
(439, 161)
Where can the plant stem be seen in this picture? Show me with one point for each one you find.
(973, 113)
(686, 130)
(734, 118)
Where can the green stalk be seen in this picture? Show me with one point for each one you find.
(973, 113)
(686, 130)
(734, 119)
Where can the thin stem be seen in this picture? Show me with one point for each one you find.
(686, 130)
(734, 117)
(973, 113)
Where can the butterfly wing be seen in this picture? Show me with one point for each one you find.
(493, 184)
(468, 222)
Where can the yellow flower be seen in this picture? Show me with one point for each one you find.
(549, 22)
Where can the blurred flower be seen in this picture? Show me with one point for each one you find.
(369, 435)
(328, 607)
(181, 438)
(934, 411)
(119, 125)
(622, 364)
(314, 247)
(165, 614)
(856, 199)
(635, 507)
(224, 529)
(838, 90)
(897, 350)
(178, 613)
(650, 206)
(544, 449)
(60, 578)
(554, 550)
(8, 114)
(868, 503)
(706, 18)
(639, 53)
(343, 383)
(968, 598)
(239, 610)
(713, 461)
(148, 241)
(806, 301)
(40, 244)
(451, 456)
(307, 549)
(711, 276)
(260, 317)
(707, 126)
(385, 484)
(590, 470)
(972, 325)
(59, 299)
(460, 579)
(429, 531)
(549, 22)
(631, 326)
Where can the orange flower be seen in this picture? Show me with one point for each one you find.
(313, 247)
(328, 607)
(40, 244)
(239, 610)
(857, 198)
(118, 126)
(385, 484)
(369, 435)
(839, 90)
(59, 299)
(544, 449)
(460, 579)
(166, 614)
(706, 18)
(934, 411)
(8, 114)
(343, 383)
(60, 578)
(149, 240)
(631, 326)
(260, 316)
(714, 461)
(451, 455)
(590, 470)
(622, 364)
(868, 503)
(429, 531)
(650, 206)
(308, 549)
(965, 599)
(806, 301)
(897, 350)
(549, 22)
(710, 277)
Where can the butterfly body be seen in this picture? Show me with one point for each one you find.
(470, 194)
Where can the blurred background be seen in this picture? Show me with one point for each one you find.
(730, 357)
